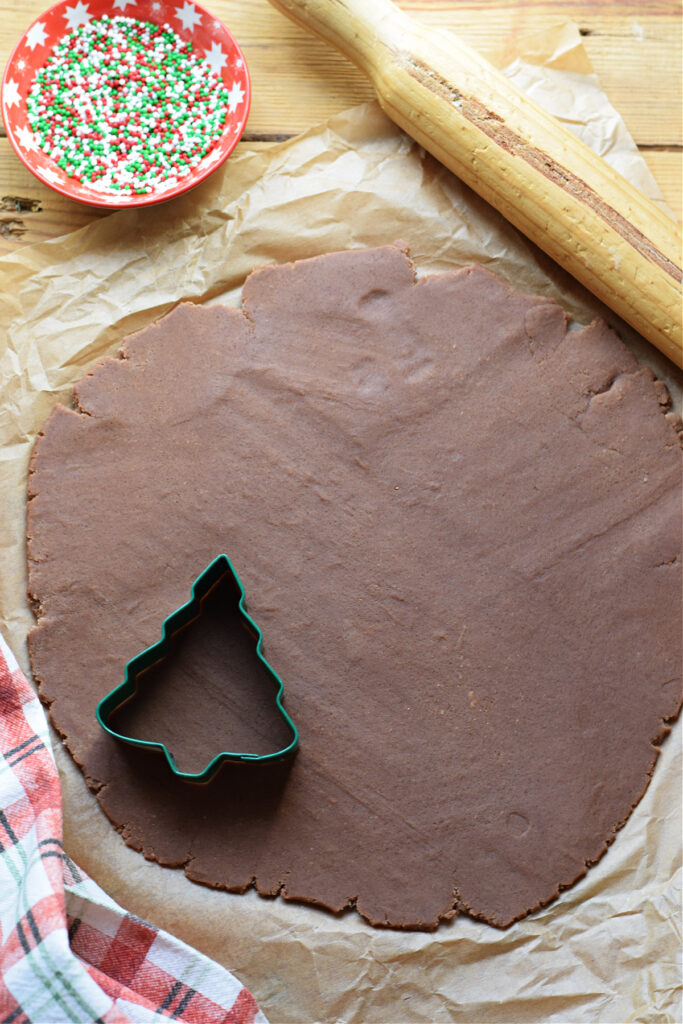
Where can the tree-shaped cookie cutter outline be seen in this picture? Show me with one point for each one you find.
(172, 625)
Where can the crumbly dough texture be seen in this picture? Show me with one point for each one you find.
(458, 527)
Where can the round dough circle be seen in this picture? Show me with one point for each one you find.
(458, 527)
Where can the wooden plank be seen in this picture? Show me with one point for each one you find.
(667, 167)
(31, 212)
(298, 81)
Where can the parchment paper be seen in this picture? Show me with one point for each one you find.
(608, 949)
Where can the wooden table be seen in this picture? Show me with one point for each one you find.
(298, 81)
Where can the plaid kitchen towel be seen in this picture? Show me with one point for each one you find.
(68, 953)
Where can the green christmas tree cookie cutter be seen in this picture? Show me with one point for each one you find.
(214, 572)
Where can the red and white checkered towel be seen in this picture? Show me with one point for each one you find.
(68, 953)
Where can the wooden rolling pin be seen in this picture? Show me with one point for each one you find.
(543, 179)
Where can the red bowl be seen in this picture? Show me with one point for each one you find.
(209, 38)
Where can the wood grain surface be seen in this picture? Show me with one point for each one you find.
(298, 81)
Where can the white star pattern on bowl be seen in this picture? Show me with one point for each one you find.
(187, 14)
(235, 96)
(53, 176)
(27, 139)
(36, 35)
(10, 94)
(216, 57)
(212, 157)
(77, 16)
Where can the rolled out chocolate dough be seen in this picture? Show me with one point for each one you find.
(458, 527)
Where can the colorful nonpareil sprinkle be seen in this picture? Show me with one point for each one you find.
(126, 107)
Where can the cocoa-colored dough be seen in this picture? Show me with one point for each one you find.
(458, 527)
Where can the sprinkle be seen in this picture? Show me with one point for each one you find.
(126, 107)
